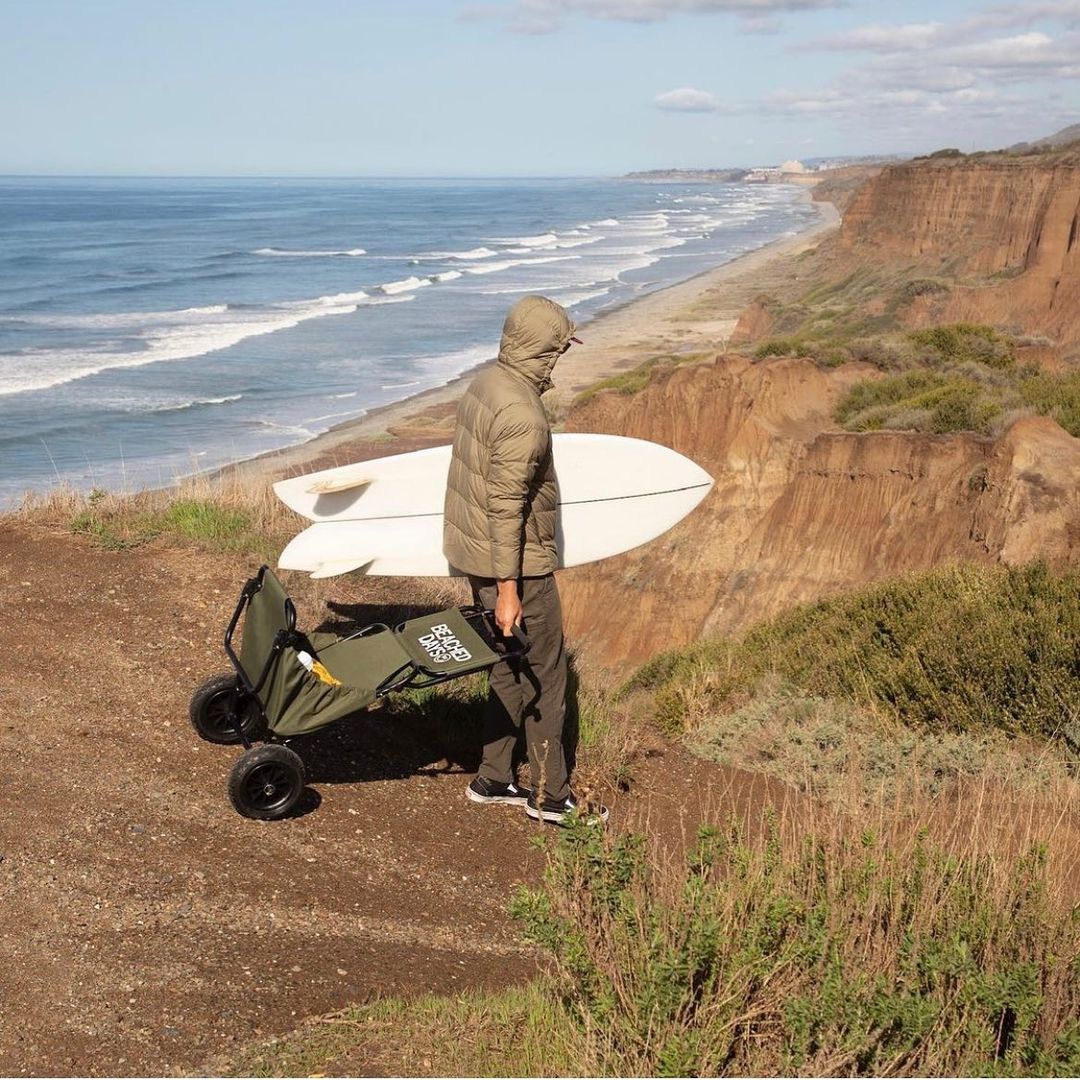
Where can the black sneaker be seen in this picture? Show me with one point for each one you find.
(482, 790)
(558, 812)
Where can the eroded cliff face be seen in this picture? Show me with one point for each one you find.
(1015, 218)
(800, 511)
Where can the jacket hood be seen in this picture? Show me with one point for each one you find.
(534, 336)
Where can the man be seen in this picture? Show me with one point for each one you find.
(500, 520)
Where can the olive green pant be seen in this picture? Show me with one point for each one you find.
(527, 697)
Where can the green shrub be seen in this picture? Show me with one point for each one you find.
(778, 347)
(1056, 396)
(841, 955)
(962, 342)
(899, 389)
(961, 648)
(966, 381)
(636, 379)
(854, 757)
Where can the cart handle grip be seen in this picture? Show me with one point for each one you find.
(521, 638)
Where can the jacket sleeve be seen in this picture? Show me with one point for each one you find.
(518, 445)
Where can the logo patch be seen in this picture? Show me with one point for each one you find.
(441, 645)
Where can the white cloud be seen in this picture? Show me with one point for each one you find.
(546, 16)
(882, 39)
(686, 99)
(760, 24)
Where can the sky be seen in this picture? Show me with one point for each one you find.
(519, 87)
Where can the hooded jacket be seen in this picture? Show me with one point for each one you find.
(500, 511)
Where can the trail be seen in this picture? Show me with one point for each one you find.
(146, 926)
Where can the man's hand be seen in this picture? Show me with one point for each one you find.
(507, 607)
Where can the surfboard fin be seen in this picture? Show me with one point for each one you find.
(339, 566)
(330, 487)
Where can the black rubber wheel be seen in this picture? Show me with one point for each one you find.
(212, 706)
(267, 782)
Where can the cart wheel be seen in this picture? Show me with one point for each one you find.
(211, 711)
(267, 782)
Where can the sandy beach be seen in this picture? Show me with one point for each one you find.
(694, 315)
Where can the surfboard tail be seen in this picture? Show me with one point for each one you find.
(336, 568)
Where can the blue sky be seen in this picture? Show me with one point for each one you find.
(519, 87)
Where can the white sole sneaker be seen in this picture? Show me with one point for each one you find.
(505, 800)
(559, 817)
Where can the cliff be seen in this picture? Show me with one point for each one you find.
(800, 510)
(1004, 227)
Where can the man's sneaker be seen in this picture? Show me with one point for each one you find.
(558, 812)
(482, 790)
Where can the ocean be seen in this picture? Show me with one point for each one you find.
(150, 328)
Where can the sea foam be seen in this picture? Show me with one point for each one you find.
(282, 252)
(158, 337)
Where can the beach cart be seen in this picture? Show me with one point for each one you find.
(286, 683)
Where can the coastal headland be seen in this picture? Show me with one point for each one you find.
(860, 675)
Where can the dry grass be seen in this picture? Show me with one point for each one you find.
(906, 942)
(853, 757)
(918, 938)
(224, 512)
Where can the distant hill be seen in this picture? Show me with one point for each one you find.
(1060, 138)
(690, 176)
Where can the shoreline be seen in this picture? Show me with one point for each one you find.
(613, 341)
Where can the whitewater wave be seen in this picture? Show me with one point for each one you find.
(540, 240)
(447, 365)
(407, 285)
(197, 403)
(117, 320)
(572, 299)
(446, 275)
(509, 264)
(317, 254)
(377, 301)
(465, 256)
(158, 337)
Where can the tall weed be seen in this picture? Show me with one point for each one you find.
(791, 951)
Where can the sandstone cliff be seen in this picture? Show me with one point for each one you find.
(1006, 226)
(800, 510)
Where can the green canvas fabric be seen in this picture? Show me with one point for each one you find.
(445, 644)
(362, 661)
(293, 700)
(264, 617)
(296, 701)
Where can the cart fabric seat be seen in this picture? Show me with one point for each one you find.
(295, 700)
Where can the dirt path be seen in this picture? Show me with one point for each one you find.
(146, 926)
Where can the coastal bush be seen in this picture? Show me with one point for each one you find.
(961, 377)
(1056, 396)
(960, 648)
(787, 951)
(786, 945)
(636, 379)
(852, 756)
(961, 342)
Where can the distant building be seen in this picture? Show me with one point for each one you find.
(762, 175)
(793, 167)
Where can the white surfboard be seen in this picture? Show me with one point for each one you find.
(385, 516)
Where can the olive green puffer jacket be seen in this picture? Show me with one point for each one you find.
(500, 495)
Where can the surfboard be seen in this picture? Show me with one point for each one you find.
(384, 517)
